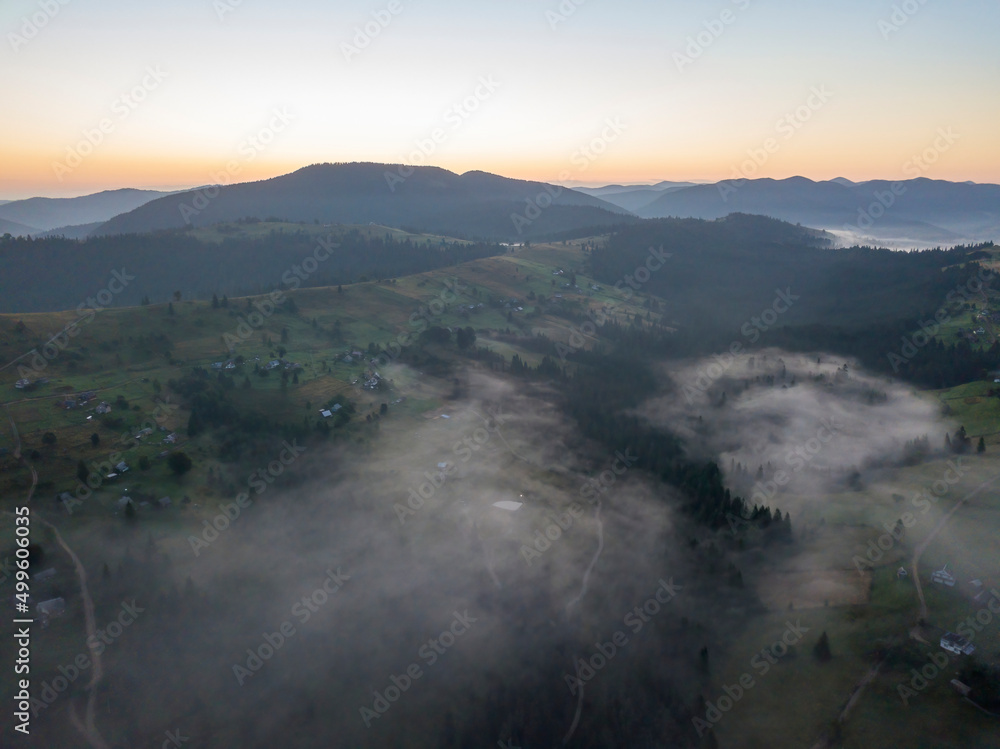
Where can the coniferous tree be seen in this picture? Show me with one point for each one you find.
(821, 650)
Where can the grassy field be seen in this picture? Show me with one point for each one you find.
(972, 406)
(133, 353)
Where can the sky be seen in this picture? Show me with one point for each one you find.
(104, 94)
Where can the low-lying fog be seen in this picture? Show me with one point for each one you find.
(398, 605)
(788, 424)
(431, 616)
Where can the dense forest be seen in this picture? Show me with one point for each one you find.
(40, 275)
(717, 274)
(774, 284)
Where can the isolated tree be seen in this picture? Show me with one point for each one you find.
(465, 337)
(179, 463)
(177, 296)
(49, 438)
(130, 510)
(981, 447)
(961, 443)
(821, 650)
(82, 472)
(95, 439)
(383, 409)
(225, 301)
(215, 301)
(143, 463)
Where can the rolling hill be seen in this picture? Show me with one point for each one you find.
(14, 228)
(908, 213)
(633, 197)
(428, 199)
(43, 214)
(226, 259)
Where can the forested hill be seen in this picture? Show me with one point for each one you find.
(471, 205)
(38, 275)
(721, 272)
(761, 282)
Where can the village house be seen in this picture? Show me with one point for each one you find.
(51, 608)
(943, 577)
(957, 644)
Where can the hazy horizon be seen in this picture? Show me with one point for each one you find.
(684, 84)
(571, 184)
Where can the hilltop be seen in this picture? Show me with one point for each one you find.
(426, 199)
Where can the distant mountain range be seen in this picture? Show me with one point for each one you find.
(916, 212)
(429, 199)
(633, 197)
(38, 215)
(912, 213)
(12, 227)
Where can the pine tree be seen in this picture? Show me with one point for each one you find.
(821, 650)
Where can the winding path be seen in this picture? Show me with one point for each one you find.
(88, 729)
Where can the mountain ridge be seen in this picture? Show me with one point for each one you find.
(427, 198)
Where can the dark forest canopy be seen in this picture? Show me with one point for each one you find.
(761, 282)
(41, 275)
